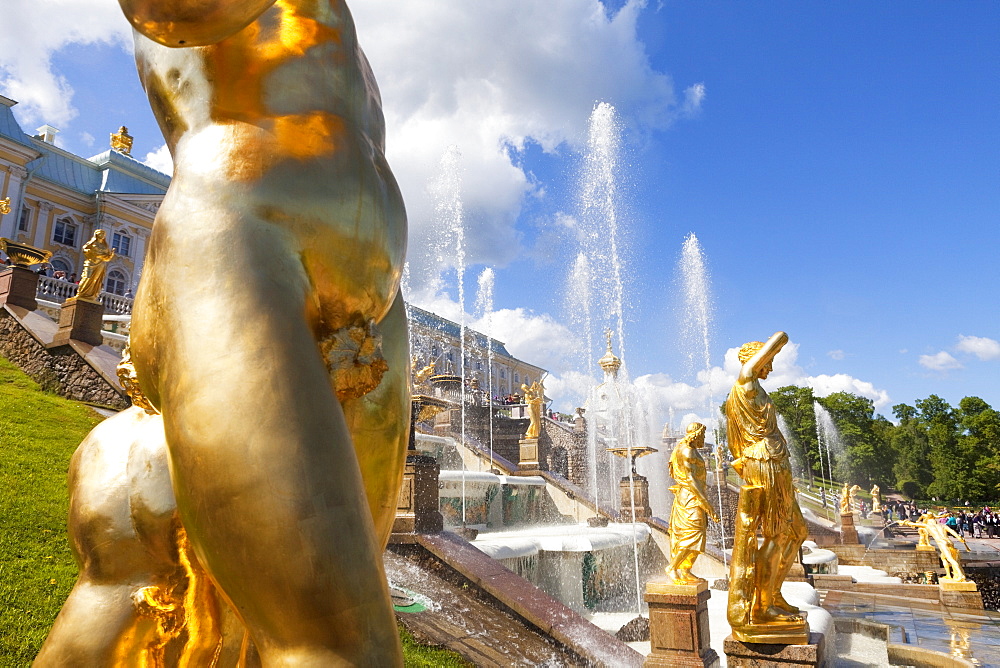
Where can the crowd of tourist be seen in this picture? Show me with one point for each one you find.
(984, 523)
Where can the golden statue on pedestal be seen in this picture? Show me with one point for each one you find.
(96, 255)
(534, 396)
(270, 334)
(876, 499)
(688, 525)
(845, 500)
(928, 525)
(767, 503)
(4, 206)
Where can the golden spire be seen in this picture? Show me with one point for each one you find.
(121, 141)
(610, 362)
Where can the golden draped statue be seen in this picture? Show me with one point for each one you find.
(96, 255)
(534, 396)
(688, 524)
(269, 333)
(767, 504)
(876, 499)
(845, 500)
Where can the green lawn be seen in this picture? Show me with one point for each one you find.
(38, 433)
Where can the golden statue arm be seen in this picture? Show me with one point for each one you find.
(764, 356)
(180, 23)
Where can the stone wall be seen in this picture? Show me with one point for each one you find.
(562, 449)
(61, 370)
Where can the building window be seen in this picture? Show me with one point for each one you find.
(64, 233)
(503, 373)
(116, 283)
(517, 379)
(61, 265)
(527, 381)
(23, 219)
(122, 243)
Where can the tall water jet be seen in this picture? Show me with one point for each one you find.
(451, 214)
(829, 439)
(696, 324)
(579, 291)
(484, 309)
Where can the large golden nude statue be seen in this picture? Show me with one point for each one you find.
(757, 611)
(269, 332)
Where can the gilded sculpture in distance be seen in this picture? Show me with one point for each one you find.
(269, 333)
(757, 611)
(876, 499)
(534, 396)
(942, 533)
(688, 524)
(96, 255)
(4, 206)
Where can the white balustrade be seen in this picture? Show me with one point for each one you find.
(57, 290)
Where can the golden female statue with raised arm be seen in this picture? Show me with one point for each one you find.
(688, 525)
(268, 328)
(96, 255)
(757, 611)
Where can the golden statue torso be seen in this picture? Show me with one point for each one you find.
(254, 123)
(753, 423)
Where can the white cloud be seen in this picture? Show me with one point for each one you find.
(492, 79)
(941, 361)
(160, 160)
(980, 346)
(693, 97)
(837, 354)
(33, 30)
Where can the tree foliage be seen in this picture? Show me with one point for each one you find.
(932, 450)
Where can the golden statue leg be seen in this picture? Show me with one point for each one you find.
(263, 465)
(379, 423)
(743, 574)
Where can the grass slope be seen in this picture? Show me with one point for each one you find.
(38, 434)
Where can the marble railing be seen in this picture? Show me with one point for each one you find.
(56, 290)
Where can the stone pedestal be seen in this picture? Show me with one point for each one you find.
(848, 534)
(640, 496)
(757, 655)
(961, 595)
(678, 624)
(528, 461)
(417, 508)
(18, 286)
(81, 321)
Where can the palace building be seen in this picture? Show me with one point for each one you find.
(57, 199)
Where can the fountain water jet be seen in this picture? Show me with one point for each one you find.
(484, 307)
(696, 325)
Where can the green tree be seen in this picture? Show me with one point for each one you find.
(911, 451)
(979, 444)
(866, 458)
(795, 405)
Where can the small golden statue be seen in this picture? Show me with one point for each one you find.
(845, 500)
(688, 525)
(534, 396)
(929, 525)
(96, 255)
(876, 499)
(121, 141)
(4, 206)
(757, 611)
(421, 376)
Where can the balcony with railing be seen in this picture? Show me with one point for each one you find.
(57, 291)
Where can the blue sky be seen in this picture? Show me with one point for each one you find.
(841, 171)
